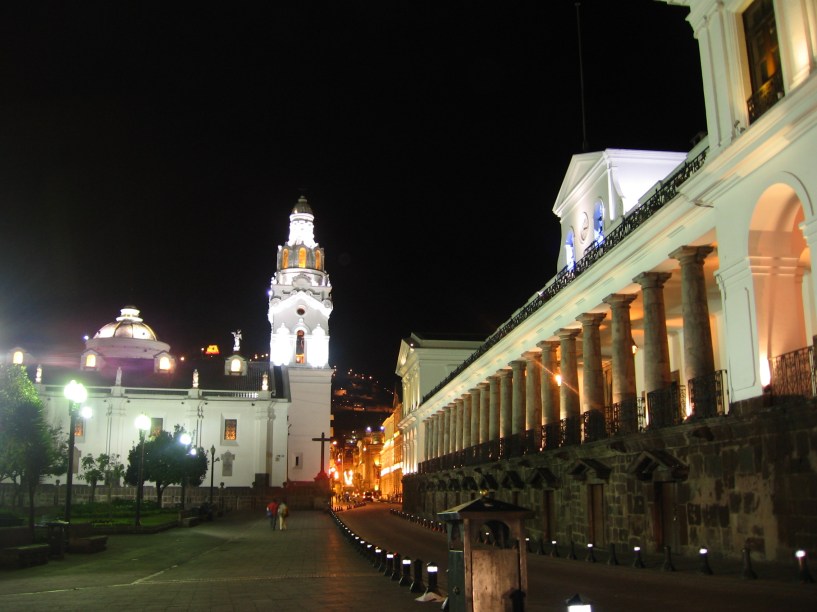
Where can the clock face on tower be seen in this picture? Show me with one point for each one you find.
(585, 227)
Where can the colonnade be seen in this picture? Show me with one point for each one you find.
(526, 396)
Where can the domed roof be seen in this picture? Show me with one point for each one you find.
(302, 207)
(127, 325)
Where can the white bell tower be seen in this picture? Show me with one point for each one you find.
(300, 297)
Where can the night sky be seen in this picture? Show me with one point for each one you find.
(150, 154)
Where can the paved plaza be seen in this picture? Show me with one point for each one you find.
(238, 563)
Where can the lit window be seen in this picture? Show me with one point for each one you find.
(164, 363)
(570, 253)
(235, 365)
(285, 258)
(299, 347)
(17, 359)
(598, 223)
(230, 429)
(156, 426)
(79, 428)
(90, 361)
(302, 257)
(317, 260)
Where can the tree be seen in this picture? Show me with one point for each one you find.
(166, 462)
(99, 470)
(29, 447)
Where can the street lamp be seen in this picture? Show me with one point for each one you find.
(213, 460)
(142, 423)
(76, 394)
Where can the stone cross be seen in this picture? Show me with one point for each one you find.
(323, 439)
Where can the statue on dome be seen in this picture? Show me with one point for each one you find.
(237, 343)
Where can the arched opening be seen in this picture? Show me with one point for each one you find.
(318, 262)
(598, 222)
(300, 347)
(782, 278)
(302, 257)
(284, 258)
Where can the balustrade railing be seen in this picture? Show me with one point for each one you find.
(708, 395)
(765, 97)
(793, 373)
(665, 408)
(593, 426)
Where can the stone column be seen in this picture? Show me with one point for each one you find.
(493, 408)
(475, 413)
(447, 430)
(484, 412)
(466, 421)
(458, 410)
(505, 403)
(439, 423)
(550, 389)
(593, 379)
(533, 393)
(427, 441)
(518, 396)
(569, 389)
(657, 374)
(699, 357)
(623, 361)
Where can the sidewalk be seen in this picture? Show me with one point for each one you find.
(234, 563)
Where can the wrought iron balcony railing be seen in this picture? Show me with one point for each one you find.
(765, 97)
(708, 395)
(793, 373)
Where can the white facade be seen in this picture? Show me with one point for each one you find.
(742, 201)
(258, 418)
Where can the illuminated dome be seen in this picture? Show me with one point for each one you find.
(127, 325)
(302, 207)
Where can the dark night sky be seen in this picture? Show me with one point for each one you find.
(150, 154)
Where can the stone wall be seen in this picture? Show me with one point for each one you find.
(725, 483)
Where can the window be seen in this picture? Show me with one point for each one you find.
(598, 223)
(302, 257)
(156, 426)
(231, 429)
(164, 363)
(299, 347)
(90, 361)
(760, 29)
(285, 258)
(317, 260)
(79, 428)
(299, 461)
(17, 359)
(570, 253)
(235, 365)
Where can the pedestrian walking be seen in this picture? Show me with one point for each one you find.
(272, 512)
(283, 513)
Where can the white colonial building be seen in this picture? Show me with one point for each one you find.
(635, 398)
(259, 417)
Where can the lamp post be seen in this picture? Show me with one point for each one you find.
(142, 423)
(76, 394)
(212, 470)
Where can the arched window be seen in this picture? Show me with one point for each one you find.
(164, 363)
(17, 359)
(300, 347)
(570, 253)
(285, 258)
(318, 265)
(302, 257)
(90, 361)
(598, 223)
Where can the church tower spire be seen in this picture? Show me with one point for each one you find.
(300, 296)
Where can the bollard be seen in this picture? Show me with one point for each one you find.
(668, 566)
(528, 545)
(431, 572)
(387, 571)
(705, 569)
(396, 566)
(554, 549)
(748, 573)
(572, 554)
(612, 559)
(417, 585)
(590, 556)
(379, 560)
(638, 562)
(802, 559)
(405, 578)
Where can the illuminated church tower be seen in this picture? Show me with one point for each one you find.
(299, 299)
(299, 308)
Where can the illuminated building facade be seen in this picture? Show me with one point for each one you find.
(658, 390)
(260, 416)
